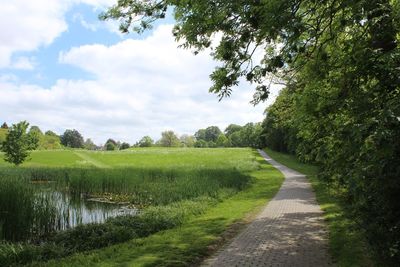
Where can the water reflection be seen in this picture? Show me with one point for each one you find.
(71, 210)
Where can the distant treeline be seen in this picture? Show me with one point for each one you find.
(248, 135)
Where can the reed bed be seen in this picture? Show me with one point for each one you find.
(23, 213)
(139, 186)
(168, 185)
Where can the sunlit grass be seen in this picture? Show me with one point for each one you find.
(200, 193)
(193, 240)
(173, 158)
(50, 158)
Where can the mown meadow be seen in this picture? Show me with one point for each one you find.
(165, 187)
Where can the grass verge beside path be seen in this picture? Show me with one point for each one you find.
(195, 239)
(346, 242)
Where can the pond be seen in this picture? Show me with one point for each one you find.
(72, 210)
(32, 210)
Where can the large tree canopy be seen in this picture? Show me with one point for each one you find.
(286, 32)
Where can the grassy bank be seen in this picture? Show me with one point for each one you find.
(198, 234)
(188, 199)
(346, 241)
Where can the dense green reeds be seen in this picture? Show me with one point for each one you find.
(28, 213)
(139, 186)
(23, 213)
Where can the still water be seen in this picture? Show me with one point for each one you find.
(71, 210)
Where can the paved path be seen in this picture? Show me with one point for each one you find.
(289, 231)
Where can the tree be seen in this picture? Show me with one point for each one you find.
(72, 138)
(212, 133)
(49, 142)
(251, 135)
(33, 139)
(169, 139)
(302, 29)
(3, 135)
(35, 135)
(236, 139)
(200, 134)
(232, 128)
(211, 144)
(146, 141)
(35, 129)
(111, 144)
(222, 141)
(124, 145)
(18, 143)
(200, 143)
(110, 140)
(50, 133)
(279, 127)
(187, 140)
(4, 126)
(89, 145)
(243, 25)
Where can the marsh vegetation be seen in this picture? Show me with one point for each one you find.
(60, 203)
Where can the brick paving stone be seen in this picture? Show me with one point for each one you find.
(290, 231)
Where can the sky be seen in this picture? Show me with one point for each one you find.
(62, 68)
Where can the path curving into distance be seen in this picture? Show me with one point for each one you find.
(290, 230)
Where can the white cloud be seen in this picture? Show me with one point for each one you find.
(109, 25)
(87, 25)
(140, 87)
(23, 63)
(28, 25)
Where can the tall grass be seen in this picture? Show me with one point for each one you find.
(27, 213)
(156, 186)
(141, 186)
(16, 208)
(23, 214)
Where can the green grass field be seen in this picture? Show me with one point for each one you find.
(50, 158)
(140, 157)
(190, 198)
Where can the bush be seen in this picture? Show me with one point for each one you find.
(92, 236)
